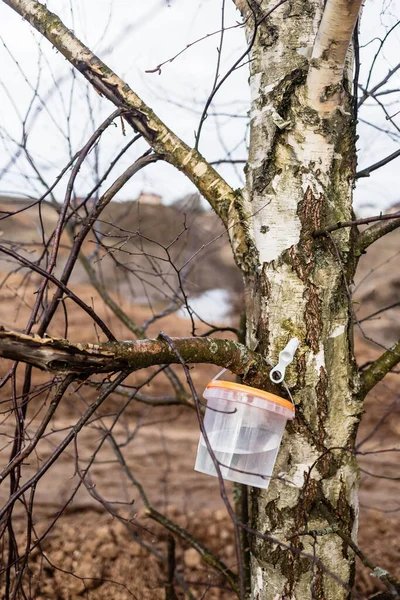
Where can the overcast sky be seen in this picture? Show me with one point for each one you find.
(133, 36)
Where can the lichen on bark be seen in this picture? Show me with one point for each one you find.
(299, 178)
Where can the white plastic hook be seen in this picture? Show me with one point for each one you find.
(277, 374)
(219, 374)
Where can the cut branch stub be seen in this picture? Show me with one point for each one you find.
(62, 356)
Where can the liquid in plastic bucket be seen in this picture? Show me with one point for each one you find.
(244, 427)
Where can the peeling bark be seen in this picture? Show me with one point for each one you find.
(299, 178)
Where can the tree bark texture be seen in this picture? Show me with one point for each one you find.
(299, 178)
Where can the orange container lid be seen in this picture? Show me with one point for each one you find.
(228, 385)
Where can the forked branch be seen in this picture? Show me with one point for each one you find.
(227, 203)
(394, 222)
(379, 368)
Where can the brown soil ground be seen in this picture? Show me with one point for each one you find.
(90, 554)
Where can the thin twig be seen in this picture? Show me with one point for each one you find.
(365, 221)
(381, 163)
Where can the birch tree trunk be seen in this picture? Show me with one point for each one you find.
(299, 177)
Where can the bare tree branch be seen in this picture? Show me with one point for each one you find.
(58, 355)
(26, 451)
(380, 310)
(170, 593)
(366, 221)
(229, 161)
(108, 300)
(137, 330)
(207, 556)
(375, 232)
(157, 69)
(381, 163)
(227, 203)
(27, 263)
(379, 368)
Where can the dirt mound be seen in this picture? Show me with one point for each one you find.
(142, 247)
(90, 555)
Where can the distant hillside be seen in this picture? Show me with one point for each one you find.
(131, 256)
(133, 236)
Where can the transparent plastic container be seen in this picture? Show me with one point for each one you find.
(244, 429)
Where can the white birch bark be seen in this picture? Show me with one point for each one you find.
(299, 178)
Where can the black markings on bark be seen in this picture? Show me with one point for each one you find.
(281, 99)
(313, 318)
